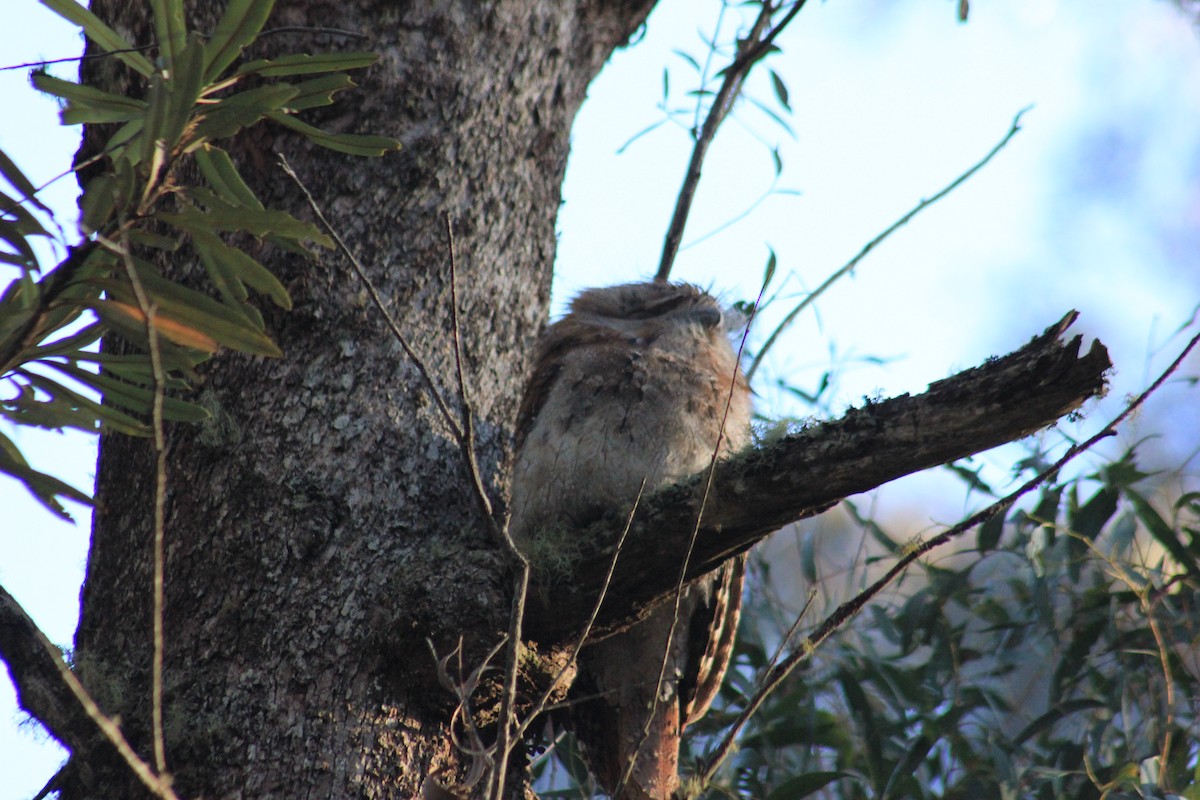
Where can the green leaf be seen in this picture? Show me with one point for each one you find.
(45, 488)
(259, 222)
(769, 270)
(105, 37)
(351, 143)
(221, 173)
(185, 86)
(98, 202)
(319, 91)
(13, 175)
(184, 314)
(88, 104)
(170, 30)
(990, 532)
(1163, 532)
(137, 398)
(158, 98)
(243, 268)
(1054, 715)
(805, 785)
(109, 417)
(154, 240)
(242, 110)
(26, 408)
(308, 64)
(71, 345)
(241, 22)
(22, 252)
(781, 91)
(1089, 520)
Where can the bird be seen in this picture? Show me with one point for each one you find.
(637, 387)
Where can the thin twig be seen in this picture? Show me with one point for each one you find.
(851, 607)
(508, 696)
(752, 47)
(467, 442)
(417, 361)
(509, 692)
(1145, 593)
(149, 310)
(871, 245)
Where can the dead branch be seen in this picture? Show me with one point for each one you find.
(805, 473)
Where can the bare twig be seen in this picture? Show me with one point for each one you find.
(850, 608)
(849, 266)
(361, 272)
(752, 47)
(149, 310)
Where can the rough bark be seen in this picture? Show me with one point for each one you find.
(322, 528)
(805, 473)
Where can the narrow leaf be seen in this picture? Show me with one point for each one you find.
(242, 110)
(308, 64)
(1163, 532)
(87, 99)
(805, 785)
(221, 173)
(131, 396)
(129, 321)
(170, 30)
(351, 143)
(110, 417)
(241, 22)
(105, 37)
(13, 175)
(259, 222)
(781, 91)
(319, 91)
(45, 488)
(245, 269)
(186, 83)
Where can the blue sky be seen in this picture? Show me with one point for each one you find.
(1095, 205)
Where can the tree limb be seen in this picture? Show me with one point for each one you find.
(805, 473)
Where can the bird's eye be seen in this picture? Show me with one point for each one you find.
(662, 306)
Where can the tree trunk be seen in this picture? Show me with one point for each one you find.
(322, 530)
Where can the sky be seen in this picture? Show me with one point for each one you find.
(1094, 205)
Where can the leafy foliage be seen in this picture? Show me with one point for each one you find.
(1057, 661)
(139, 200)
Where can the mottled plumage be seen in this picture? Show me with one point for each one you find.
(634, 384)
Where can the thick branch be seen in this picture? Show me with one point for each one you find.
(40, 689)
(1000, 401)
